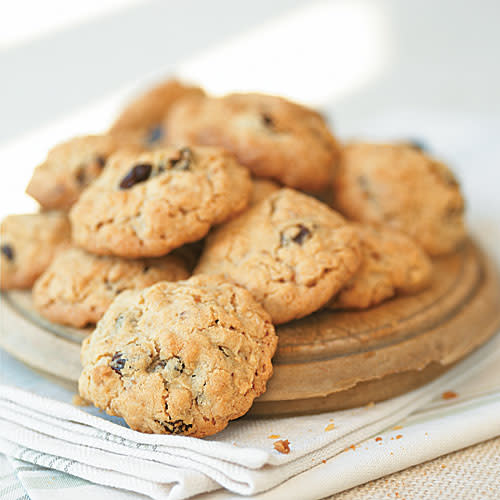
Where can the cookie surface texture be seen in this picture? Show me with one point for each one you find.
(28, 243)
(147, 205)
(273, 137)
(179, 358)
(402, 188)
(392, 263)
(78, 287)
(292, 252)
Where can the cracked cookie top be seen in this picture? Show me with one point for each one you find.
(292, 252)
(28, 243)
(78, 287)
(391, 263)
(70, 167)
(272, 136)
(148, 204)
(403, 188)
(179, 358)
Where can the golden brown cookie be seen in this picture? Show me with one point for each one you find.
(291, 251)
(403, 188)
(146, 205)
(392, 263)
(78, 287)
(274, 137)
(179, 358)
(28, 244)
(144, 115)
(70, 167)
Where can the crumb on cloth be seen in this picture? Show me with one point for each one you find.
(449, 395)
(283, 446)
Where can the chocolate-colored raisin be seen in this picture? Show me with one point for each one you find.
(176, 426)
(138, 173)
(8, 251)
(155, 134)
(80, 176)
(417, 144)
(267, 120)
(100, 161)
(296, 234)
(117, 362)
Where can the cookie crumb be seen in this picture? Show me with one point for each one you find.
(399, 436)
(283, 446)
(329, 427)
(323, 461)
(443, 466)
(273, 436)
(449, 395)
(378, 439)
(397, 427)
(77, 400)
(371, 404)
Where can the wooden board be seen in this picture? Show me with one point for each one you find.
(330, 360)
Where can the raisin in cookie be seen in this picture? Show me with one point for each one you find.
(144, 115)
(28, 244)
(70, 167)
(179, 358)
(274, 137)
(147, 205)
(291, 251)
(78, 287)
(403, 188)
(391, 263)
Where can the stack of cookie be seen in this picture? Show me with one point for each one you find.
(184, 183)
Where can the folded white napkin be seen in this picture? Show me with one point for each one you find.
(241, 459)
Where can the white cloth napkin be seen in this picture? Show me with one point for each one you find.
(241, 459)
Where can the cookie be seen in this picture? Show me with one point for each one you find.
(392, 263)
(179, 358)
(70, 167)
(78, 287)
(291, 251)
(28, 244)
(261, 189)
(273, 137)
(146, 205)
(405, 189)
(145, 114)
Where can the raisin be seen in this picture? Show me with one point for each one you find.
(175, 426)
(298, 234)
(138, 173)
(100, 161)
(8, 251)
(183, 162)
(417, 144)
(117, 362)
(301, 235)
(155, 134)
(80, 176)
(267, 120)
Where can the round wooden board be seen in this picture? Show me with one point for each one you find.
(330, 360)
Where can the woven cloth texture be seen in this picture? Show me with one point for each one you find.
(472, 473)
